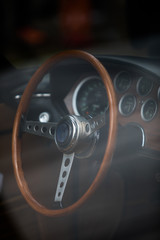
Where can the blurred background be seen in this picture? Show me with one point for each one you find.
(35, 29)
(32, 31)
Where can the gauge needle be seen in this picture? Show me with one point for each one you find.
(66, 165)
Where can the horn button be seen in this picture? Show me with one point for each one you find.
(73, 134)
(62, 133)
(67, 134)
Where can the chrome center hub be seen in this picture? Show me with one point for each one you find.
(72, 133)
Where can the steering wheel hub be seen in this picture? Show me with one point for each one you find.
(66, 134)
(71, 134)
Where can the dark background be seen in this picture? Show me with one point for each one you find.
(35, 28)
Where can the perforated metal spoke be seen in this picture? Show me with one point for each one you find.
(67, 162)
(97, 122)
(40, 129)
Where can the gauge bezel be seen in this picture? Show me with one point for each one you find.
(142, 109)
(116, 79)
(121, 101)
(158, 93)
(138, 84)
(77, 89)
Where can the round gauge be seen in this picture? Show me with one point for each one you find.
(148, 110)
(122, 82)
(90, 97)
(127, 104)
(144, 86)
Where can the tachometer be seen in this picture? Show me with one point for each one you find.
(90, 97)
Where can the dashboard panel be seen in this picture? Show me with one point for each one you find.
(134, 176)
(138, 97)
(136, 82)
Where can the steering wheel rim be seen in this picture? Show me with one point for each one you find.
(22, 108)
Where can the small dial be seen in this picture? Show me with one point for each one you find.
(148, 110)
(144, 86)
(122, 82)
(127, 104)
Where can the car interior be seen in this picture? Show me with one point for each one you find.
(79, 127)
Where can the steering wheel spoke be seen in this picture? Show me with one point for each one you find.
(66, 166)
(97, 122)
(40, 129)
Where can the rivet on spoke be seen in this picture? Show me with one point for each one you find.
(36, 128)
(64, 174)
(59, 194)
(67, 162)
(51, 131)
(62, 184)
(29, 127)
(43, 129)
(87, 128)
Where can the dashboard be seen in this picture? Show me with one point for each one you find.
(138, 99)
(74, 87)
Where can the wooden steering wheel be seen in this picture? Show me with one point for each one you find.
(60, 133)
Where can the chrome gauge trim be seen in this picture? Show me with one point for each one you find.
(75, 94)
(152, 114)
(158, 94)
(142, 132)
(126, 86)
(140, 82)
(121, 102)
(36, 95)
(143, 136)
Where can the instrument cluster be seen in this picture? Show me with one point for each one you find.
(128, 101)
(90, 97)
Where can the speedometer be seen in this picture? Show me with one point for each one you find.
(90, 97)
